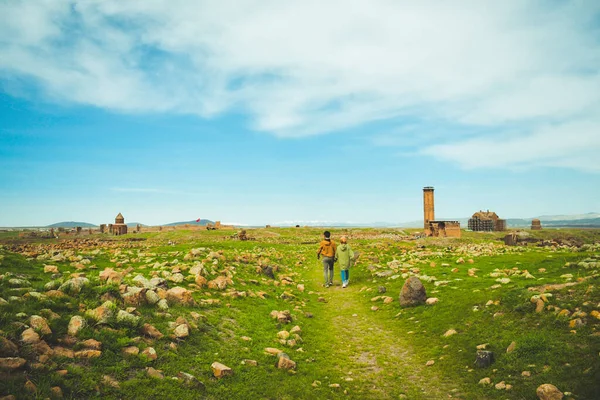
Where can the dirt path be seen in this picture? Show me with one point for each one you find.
(376, 360)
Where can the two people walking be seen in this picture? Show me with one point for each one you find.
(332, 253)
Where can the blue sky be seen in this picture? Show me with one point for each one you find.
(255, 112)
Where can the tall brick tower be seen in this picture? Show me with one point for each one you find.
(428, 207)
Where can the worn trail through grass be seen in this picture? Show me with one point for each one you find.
(375, 357)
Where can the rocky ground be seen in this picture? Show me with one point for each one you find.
(198, 314)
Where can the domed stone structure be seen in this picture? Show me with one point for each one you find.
(536, 225)
(119, 227)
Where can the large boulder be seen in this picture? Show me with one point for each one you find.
(413, 293)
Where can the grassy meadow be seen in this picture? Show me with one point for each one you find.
(542, 301)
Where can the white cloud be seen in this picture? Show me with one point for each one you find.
(308, 67)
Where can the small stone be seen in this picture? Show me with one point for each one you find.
(500, 385)
(56, 392)
(110, 381)
(181, 331)
(252, 363)
(39, 324)
(430, 363)
(482, 346)
(374, 308)
(30, 387)
(92, 344)
(190, 380)
(220, 370)
(316, 384)
(539, 306)
(284, 362)
(450, 332)
(283, 335)
(485, 381)
(154, 373)
(272, 351)
(29, 336)
(526, 373)
(8, 348)
(335, 385)
(431, 301)
(511, 347)
(127, 319)
(150, 353)
(548, 391)
(151, 331)
(131, 350)
(88, 353)
(11, 363)
(300, 287)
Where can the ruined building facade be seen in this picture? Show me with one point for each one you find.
(119, 227)
(486, 221)
(433, 227)
(536, 225)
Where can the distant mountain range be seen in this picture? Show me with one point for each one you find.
(589, 220)
(202, 222)
(71, 224)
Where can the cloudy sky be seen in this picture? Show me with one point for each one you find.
(264, 111)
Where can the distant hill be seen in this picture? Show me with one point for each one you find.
(134, 224)
(203, 222)
(71, 224)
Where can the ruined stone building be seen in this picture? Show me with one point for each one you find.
(119, 227)
(536, 225)
(433, 227)
(486, 221)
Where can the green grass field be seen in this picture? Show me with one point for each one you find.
(352, 342)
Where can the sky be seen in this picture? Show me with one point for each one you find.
(265, 112)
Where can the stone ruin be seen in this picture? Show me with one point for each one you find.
(486, 221)
(432, 226)
(536, 225)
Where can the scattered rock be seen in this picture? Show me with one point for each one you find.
(30, 387)
(179, 295)
(485, 381)
(11, 363)
(74, 285)
(154, 373)
(430, 363)
(131, 350)
(151, 331)
(88, 353)
(92, 344)
(220, 370)
(548, 391)
(8, 348)
(76, 324)
(450, 332)
(110, 381)
(56, 392)
(284, 362)
(191, 381)
(29, 336)
(511, 347)
(40, 325)
(127, 319)
(431, 301)
(181, 331)
(150, 353)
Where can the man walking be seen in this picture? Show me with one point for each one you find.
(327, 249)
